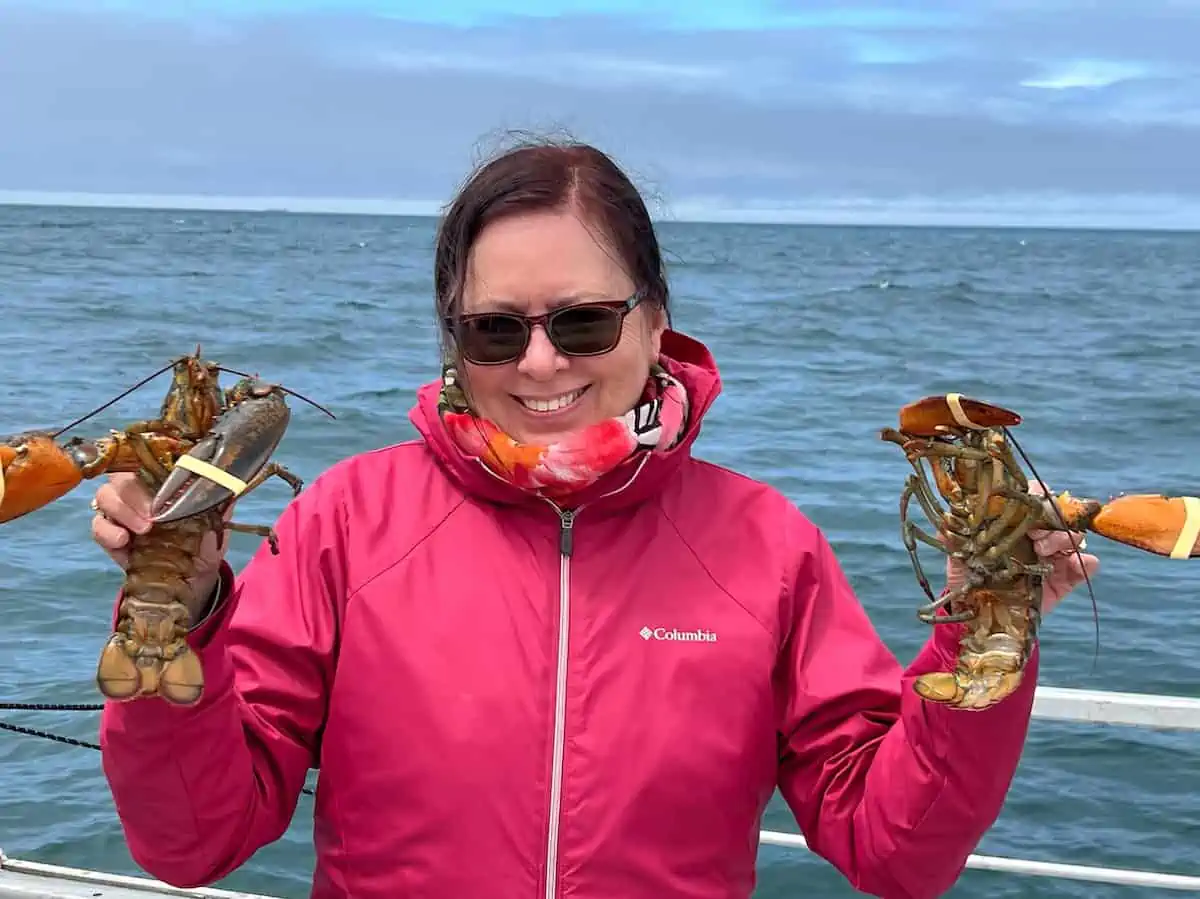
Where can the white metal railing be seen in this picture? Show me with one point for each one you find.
(35, 879)
(1032, 868)
(1133, 709)
(1097, 707)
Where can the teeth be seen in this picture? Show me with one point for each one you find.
(555, 404)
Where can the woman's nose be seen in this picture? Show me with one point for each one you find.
(541, 360)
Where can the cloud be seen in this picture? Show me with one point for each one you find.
(779, 106)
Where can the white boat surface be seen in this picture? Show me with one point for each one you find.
(21, 879)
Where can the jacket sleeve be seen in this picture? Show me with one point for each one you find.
(200, 789)
(893, 791)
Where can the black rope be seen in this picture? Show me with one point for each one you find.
(49, 707)
(58, 738)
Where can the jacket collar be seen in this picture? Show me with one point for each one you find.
(685, 358)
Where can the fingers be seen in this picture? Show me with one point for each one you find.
(1091, 564)
(124, 501)
(1070, 567)
(956, 573)
(1069, 572)
(112, 538)
(1036, 488)
(122, 506)
(1050, 544)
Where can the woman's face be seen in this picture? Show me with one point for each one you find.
(534, 263)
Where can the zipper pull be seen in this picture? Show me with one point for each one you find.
(565, 535)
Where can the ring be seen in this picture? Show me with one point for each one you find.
(92, 505)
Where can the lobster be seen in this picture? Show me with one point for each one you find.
(207, 448)
(985, 523)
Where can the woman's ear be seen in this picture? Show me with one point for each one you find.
(655, 322)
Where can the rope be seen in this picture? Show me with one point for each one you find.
(59, 738)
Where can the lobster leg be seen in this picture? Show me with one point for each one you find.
(910, 534)
(272, 469)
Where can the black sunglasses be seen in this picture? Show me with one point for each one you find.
(585, 329)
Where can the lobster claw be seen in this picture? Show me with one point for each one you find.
(217, 468)
(35, 471)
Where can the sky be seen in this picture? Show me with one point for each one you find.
(1025, 112)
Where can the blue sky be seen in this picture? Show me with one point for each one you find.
(991, 111)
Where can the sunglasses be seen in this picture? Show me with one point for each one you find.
(585, 329)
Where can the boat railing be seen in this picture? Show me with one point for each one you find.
(20, 878)
(1146, 710)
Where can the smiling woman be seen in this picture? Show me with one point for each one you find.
(543, 650)
(555, 305)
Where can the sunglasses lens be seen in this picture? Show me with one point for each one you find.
(490, 339)
(494, 339)
(586, 330)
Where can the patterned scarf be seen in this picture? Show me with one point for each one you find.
(559, 469)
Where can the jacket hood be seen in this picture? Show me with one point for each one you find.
(687, 359)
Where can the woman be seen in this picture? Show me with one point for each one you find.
(581, 676)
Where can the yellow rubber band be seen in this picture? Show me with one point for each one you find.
(1190, 530)
(956, 410)
(233, 484)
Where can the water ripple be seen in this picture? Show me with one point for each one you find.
(822, 333)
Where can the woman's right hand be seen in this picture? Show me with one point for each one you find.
(122, 507)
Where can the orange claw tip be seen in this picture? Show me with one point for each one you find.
(34, 472)
(1076, 513)
(932, 415)
(1165, 525)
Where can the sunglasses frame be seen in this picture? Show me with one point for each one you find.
(622, 308)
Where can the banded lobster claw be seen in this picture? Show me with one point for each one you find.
(35, 471)
(226, 462)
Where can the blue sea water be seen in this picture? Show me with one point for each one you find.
(822, 333)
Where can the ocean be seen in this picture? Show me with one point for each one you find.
(822, 334)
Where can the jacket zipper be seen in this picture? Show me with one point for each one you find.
(566, 546)
(566, 540)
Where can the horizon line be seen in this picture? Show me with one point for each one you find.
(686, 213)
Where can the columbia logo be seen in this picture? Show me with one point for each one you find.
(672, 635)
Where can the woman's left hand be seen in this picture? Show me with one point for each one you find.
(1060, 549)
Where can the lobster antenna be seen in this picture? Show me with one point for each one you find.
(1078, 554)
(115, 399)
(299, 396)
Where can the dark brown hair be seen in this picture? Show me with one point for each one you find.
(545, 176)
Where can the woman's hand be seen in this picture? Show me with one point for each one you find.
(122, 507)
(1059, 549)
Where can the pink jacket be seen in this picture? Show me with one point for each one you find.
(508, 702)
